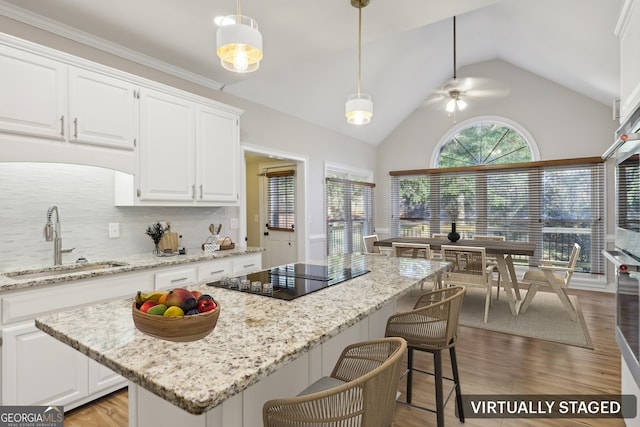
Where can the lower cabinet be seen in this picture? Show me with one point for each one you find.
(37, 369)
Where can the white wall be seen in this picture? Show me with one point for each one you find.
(563, 123)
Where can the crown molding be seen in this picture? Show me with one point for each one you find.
(38, 21)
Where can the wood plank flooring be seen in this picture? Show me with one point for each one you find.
(489, 363)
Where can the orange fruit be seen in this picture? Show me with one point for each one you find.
(163, 298)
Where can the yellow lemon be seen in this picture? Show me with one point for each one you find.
(174, 311)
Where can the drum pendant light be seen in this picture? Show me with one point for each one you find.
(359, 106)
(239, 43)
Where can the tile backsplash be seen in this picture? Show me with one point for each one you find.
(84, 197)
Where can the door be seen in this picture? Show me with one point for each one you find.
(279, 214)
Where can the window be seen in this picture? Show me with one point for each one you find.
(281, 200)
(349, 212)
(485, 180)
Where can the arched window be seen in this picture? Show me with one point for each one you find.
(485, 141)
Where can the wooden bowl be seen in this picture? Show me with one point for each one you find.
(176, 328)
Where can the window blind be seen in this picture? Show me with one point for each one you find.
(552, 204)
(350, 206)
(281, 200)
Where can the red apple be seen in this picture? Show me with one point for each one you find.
(147, 305)
(205, 305)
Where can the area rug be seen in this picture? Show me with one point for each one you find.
(545, 319)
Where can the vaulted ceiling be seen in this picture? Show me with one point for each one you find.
(310, 48)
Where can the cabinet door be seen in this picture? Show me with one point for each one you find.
(102, 378)
(33, 94)
(217, 147)
(176, 278)
(167, 140)
(37, 369)
(101, 109)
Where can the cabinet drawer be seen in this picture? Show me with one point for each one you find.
(24, 305)
(177, 278)
(214, 270)
(247, 263)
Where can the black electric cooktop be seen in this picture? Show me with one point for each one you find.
(291, 281)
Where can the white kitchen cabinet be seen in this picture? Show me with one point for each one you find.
(217, 152)
(167, 149)
(628, 31)
(211, 271)
(101, 109)
(33, 93)
(247, 264)
(179, 277)
(102, 378)
(188, 152)
(37, 369)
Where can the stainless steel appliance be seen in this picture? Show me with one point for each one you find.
(626, 256)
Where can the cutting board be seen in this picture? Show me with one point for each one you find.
(169, 241)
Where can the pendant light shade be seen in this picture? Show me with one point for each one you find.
(239, 43)
(359, 106)
(359, 109)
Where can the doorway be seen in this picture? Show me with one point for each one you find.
(281, 247)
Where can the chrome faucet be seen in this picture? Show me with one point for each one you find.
(52, 233)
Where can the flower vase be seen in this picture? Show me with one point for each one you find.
(454, 236)
(156, 250)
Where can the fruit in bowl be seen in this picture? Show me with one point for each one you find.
(170, 320)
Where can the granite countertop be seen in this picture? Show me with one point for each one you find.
(130, 263)
(255, 335)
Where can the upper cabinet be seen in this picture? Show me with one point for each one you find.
(169, 147)
(628, 31)
(101, 109)
(33, 94)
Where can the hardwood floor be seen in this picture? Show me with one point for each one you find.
(489, 363)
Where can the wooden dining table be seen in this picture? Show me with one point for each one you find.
(503, 251)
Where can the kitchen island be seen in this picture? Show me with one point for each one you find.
(261, 348)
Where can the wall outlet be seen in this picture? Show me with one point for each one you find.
(234, 223)
(114, 229)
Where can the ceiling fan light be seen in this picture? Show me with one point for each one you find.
(239, 44)
(451, 106)
(359, 109)
(461, 104)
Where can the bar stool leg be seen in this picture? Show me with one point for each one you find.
(409, 373)
(437, 364)
(456, 380)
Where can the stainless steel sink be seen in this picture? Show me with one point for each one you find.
(63, 269)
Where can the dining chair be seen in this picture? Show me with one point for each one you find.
(432, 326)
(412, 250)
(554, 274)
(361, 390)
(369, 247)
(436, 254)
(416, 250)
(469, 267)
(496, 238)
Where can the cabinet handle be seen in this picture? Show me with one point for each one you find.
(182, 279)
(248, 265)
(193, 191)
(216, 272)
(62, 125)
(75, 127)
(200, 191)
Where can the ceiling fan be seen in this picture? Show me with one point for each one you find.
(455, 93)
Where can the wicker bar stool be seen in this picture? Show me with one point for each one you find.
(361, 390)
(432, 327)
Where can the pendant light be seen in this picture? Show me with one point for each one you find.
(359, 106)
(239, 43)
